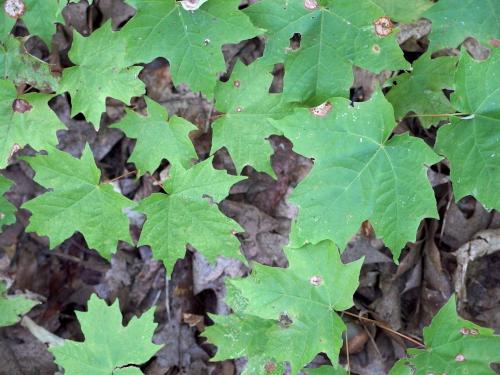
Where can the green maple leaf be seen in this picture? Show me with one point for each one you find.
(12, 307)
(100, 72)
(334, 36)
(359, 173)
(108, 345)
(404, 11)
(191, 41)
(7, 209)
(292, 308)
(455, 20)
(247, 106)
(77, 202)
(38, 16)
(185, 216)
(452, 346)
(32, 122)
(421, 90)
(18, 66)
(472, 143)
(158, 138)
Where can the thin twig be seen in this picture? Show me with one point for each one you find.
(383, 326)
(440, 115)
(121, 176)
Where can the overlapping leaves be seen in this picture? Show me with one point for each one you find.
(18, 66)
(360, 173)
(453, 346)
(25, 119)
(77, 202)
(39, 16)
(453, 21)
(421, 91)
(472, 141)
(292, 308)
(188, 214)
(247, 105)
(158, 138)
(100, 72)
(190, 40)
(335, 34)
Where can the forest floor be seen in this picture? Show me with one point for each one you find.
(404, 296)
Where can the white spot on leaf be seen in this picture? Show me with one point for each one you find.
(316, 280)
(192, 4)
(14, 8)
(322, 110)
(311, 4)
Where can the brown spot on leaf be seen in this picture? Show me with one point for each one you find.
(236, 83)
(21, 106)
(14, 8)
(383, 26)
(316, 280)
(285, 321)
(270, 367)
(322, 110)
(376, 48)
(311, 4)
(206, 42)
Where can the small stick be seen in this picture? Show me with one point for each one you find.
(440, 115)
(378, 324)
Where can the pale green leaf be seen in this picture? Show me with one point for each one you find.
(292, 308)
(452, 346)
(188, 215)
(472, 143)
(7, 209)
(77, 202)
(158, 138)
(36, 126)
(421, 91)
(247, 106)
(18, 66)
(100, 72)
(108, 344)
(359, 174)
(334, 36)
(13, 307)
(191, 41)
(453, 21)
